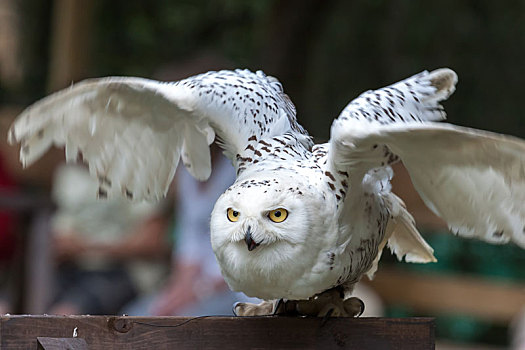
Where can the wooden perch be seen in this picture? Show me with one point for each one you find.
(112, 332)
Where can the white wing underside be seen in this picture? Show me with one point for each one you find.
(132, 131)
(474, 180)
(131, 136)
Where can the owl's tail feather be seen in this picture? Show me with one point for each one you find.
(402, 237)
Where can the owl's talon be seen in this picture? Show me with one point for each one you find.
(331, 301)
(354, 306)
(327, 316)
(234, 308)
(280, 303)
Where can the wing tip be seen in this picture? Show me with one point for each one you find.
(444, 80)
(11, 136)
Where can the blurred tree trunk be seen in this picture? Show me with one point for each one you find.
(11, 70)
(292, 31)
(70, 43)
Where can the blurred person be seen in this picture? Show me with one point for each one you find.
(106, 251)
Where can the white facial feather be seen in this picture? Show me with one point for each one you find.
(254, 201)
(281, 245)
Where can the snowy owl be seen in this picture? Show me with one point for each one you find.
(302, 222)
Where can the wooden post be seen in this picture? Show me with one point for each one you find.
(114, 332)
(69, 51)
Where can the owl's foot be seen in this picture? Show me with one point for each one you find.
(330, 303)
(264, 308)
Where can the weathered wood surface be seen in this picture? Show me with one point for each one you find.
(46, 343)
(112, 332)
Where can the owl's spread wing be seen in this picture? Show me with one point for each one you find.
(414, 99)
(474, 180)
(132, 131)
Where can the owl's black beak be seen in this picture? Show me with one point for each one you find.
(250, 243)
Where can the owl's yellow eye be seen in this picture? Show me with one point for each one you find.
(278, 215)
(233, 215)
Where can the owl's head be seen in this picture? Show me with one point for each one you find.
(263, 221)
(257, 213)
(268, 233)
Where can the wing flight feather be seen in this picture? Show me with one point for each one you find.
(474, 180)
(132, 131)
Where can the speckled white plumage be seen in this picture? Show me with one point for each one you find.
(341, 212)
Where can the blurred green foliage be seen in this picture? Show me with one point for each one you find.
(457, 255)
(135, 37)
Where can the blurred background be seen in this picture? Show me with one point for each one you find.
(325, 52)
